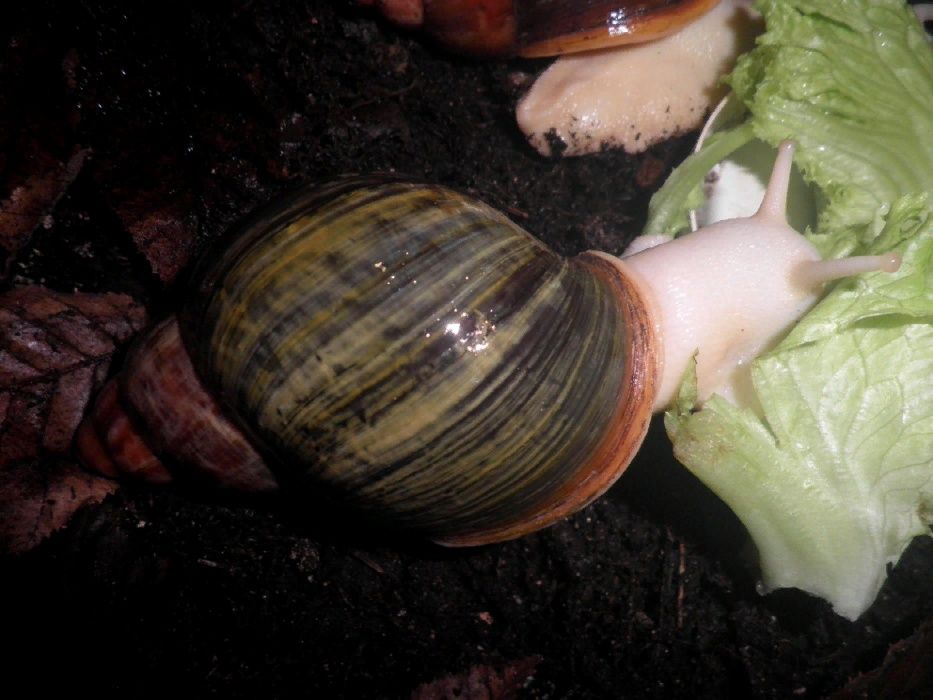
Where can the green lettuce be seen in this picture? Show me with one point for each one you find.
(833, 475)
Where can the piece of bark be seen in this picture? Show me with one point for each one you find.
(481, 682)
(163, 226)
(907, 671)
(650, 170)
(32, 198)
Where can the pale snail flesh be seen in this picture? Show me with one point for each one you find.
(415, 352)
(632, 97)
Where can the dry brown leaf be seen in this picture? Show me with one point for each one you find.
(37, 498)
(481, 683)
(55, 349)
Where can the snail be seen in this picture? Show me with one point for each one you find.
(534, 28)
(631, 73)
(414, 351)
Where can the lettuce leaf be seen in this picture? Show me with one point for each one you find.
(833, 474)
(837, 477)
(682, 192)
(851, 81)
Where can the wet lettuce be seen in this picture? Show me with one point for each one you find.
(833, 476)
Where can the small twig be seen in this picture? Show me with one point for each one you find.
(369, 562)
(381, 94)
(681, 570)
(516, 212)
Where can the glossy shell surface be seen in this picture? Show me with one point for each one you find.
(551, 27)
(424, 357)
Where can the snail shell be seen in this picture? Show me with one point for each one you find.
(405, 347)
(541, 27)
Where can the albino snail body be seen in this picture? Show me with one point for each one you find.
(414, 352)
(634, 96)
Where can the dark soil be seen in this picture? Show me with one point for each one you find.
(650, 592)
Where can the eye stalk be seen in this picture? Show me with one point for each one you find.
(816, 273)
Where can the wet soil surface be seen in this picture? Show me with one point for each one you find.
(196, 114)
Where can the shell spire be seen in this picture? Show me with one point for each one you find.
(155, 420)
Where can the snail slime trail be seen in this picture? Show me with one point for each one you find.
(422, 377)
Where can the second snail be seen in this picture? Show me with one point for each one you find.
(418, 355)
(630, 73)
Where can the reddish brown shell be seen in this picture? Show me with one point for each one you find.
(158, 408)
(541, 27)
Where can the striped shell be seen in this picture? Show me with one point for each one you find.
(424, 358)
